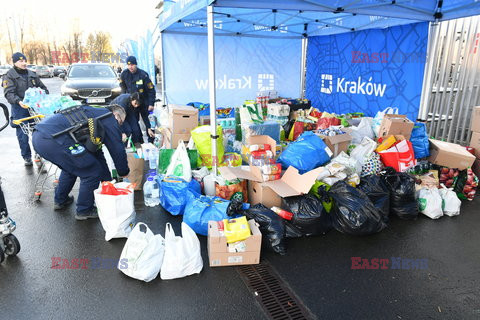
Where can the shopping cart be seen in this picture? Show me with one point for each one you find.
(46, 170)
(9, 244)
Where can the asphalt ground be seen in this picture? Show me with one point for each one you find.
(318, 269)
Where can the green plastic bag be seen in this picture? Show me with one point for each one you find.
(165, 155)
(203, 142)
(327, 202)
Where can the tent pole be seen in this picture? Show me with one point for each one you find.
(211, 87)
(302, 67)
(162, 70)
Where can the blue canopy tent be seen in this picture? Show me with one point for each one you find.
(291, 21)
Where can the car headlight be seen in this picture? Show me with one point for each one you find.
(117, 90)
(66, 90)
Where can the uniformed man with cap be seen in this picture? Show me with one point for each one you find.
(82, 158)
(134, 80)
(15, 82)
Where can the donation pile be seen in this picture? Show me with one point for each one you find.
(286, 169)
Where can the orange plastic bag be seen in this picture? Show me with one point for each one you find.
(110, 189)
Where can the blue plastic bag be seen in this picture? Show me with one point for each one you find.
(173, 193)
(203, 108)
(306, 153)
(201, 209)
(419, 140)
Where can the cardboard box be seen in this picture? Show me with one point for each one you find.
(475, 124)
(450, 155)
(258, 192)
(183, 119)
(172, 139)
(257, 140)
(475, 143)
(396, 124)
(218, 254)
(337, 143)
(292, 183)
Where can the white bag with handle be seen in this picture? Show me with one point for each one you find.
(450, 201)
(361, 152)
(180, 163)
(364, 129)
(377, 121)
(430, 202)
(116, 213)
(142, 255)
(182, 254)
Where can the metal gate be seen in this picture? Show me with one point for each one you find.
(452, 77)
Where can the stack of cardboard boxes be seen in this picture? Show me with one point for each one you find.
(182, 120)
(475, 140)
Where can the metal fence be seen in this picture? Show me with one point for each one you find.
(452, 79)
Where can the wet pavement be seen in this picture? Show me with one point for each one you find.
(318, 269)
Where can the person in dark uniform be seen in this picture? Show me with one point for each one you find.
(15, 82)
(131, 103)
(89, 165)
(133, 80)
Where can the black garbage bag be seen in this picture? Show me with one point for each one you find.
(375, 187)
(272, 226)
(235, 207)
(353, 212)
(309, 216)
(402, 194)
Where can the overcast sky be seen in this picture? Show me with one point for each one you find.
(122, 19)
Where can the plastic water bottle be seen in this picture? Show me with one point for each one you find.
(151, 193)
(152, 119)
(152, 161)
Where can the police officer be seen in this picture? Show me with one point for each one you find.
(15, 82)
(131, 103)
(133, 80)
(89, 166)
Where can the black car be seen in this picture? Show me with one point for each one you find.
(95, 83)
(58, 70)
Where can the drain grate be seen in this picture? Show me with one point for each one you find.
(277, 300)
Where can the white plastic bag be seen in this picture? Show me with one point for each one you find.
(364, 129)
(430, 202)
(362, 151)
(116, 213)
(377, 121)
(180, 163)
(142, 255)
(451, 203)
(182, 254)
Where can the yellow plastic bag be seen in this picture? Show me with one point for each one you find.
(236, 229)
(203, 142)
(386, 143)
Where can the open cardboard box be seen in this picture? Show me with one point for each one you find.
(396, 124)
(450, 155)
(219, 255)
(270, 193)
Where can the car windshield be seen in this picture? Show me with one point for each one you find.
(91, 71)
(42, 68)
